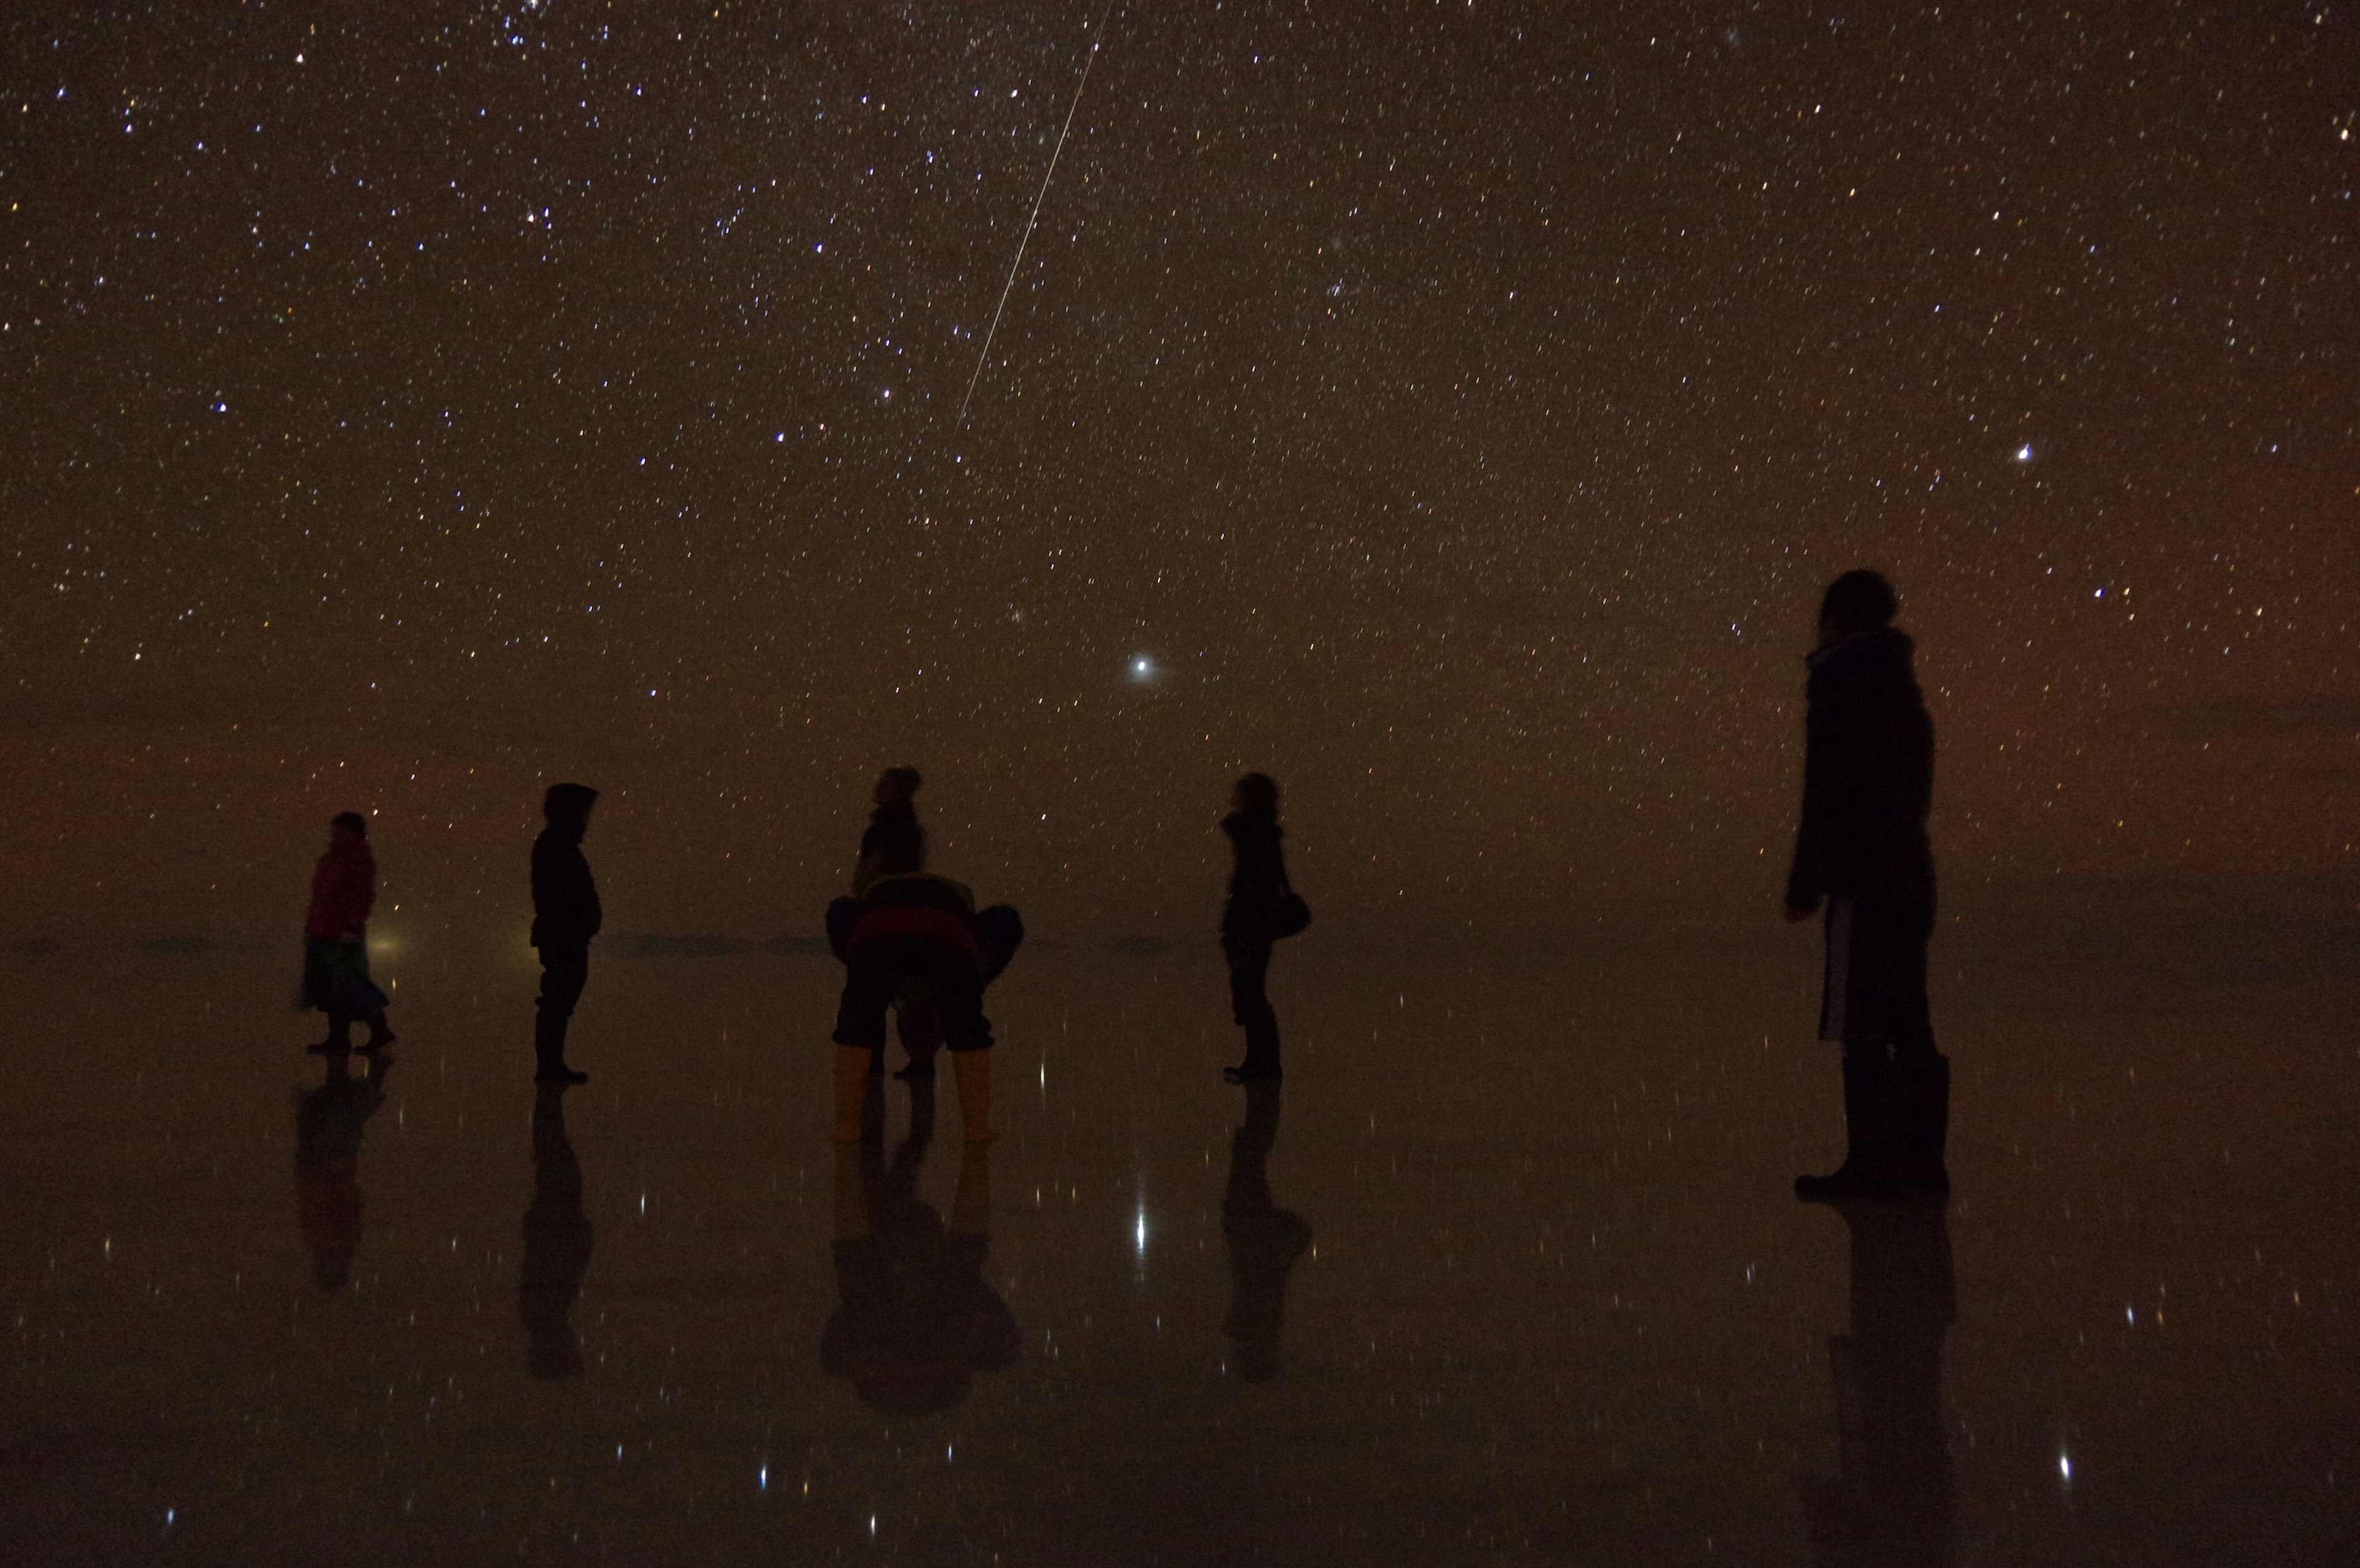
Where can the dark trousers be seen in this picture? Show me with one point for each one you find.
(564, 970)
(879, 968)
(1250, 999)
(1875, 994)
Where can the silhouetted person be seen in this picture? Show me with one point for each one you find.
(328, 1124)
(1260, 910)
(892, 845)
(917, 939)
(336, 939)
(1892, 1502)
(1263, 1239)
(916, 1320)
(557, 1241)
(565, 916)
(1868, 777)
(893, 841)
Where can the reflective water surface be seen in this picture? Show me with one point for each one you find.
(1507, 1271)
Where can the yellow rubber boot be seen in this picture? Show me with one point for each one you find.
(851, 1090)
(974, 1070)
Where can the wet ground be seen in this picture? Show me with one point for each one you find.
(1509, 1273)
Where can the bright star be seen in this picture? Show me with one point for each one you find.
(2024, 452)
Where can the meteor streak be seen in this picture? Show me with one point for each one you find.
(1087, 61)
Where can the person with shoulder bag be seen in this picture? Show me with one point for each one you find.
(1262, 908)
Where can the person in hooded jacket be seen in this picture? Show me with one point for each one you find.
(1861, 850)
(565, 916)
(336, 939)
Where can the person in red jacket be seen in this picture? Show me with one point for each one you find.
(336, 939)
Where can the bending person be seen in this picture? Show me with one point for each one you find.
(918, 937)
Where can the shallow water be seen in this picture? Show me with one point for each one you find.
(1527, 1283)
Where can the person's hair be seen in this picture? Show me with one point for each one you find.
(352, 820)
(1258, 796)
(568, 802)
(1859, 601)
(900, 783)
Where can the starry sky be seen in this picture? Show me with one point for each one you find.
(1452, 409)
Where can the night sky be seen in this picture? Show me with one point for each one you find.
(1453, 408)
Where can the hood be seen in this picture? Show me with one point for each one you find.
(567, 807)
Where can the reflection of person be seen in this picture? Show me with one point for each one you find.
(565, 916)
(557, 1240)
(1264, 1240)
(336, 939)
(329, 1121)
(1868, 777)
(1891, 1502)
(1249, 920)
(916, 1319)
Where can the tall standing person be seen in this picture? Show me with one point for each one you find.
(1861, 850)
(565, 916)
(1261, 908)
(336, 939)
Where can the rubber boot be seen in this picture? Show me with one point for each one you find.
(548, 1053)
(851, 1090)
(974, 1071)
(1921, 1095)
(1869, 1135)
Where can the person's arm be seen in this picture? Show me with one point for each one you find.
(1807, 875)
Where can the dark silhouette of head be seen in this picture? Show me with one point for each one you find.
(351, 822)
(1859, 601)
(568, 805)
(898, 784)
(1256, 796)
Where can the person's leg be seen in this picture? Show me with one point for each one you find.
(871, 974)
(1250, 1005)
(921, 1029)
(958, 1003)
(320, 970)
(565, 971)
(339, 1036)
(1888, 998)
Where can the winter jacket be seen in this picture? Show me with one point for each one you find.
(1259, 877)
(565, 911)
(1868, 776)
(892, 845)
(344, 889)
